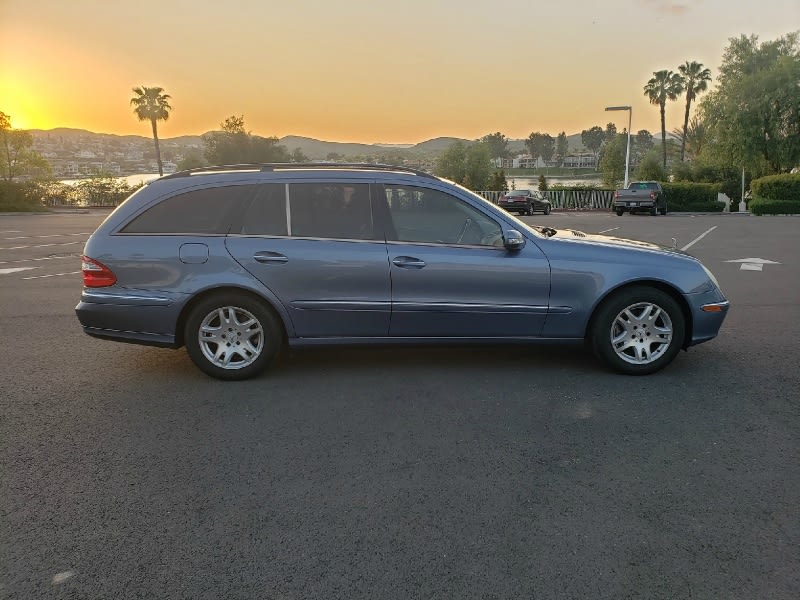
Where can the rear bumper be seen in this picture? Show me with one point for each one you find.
(129, 316)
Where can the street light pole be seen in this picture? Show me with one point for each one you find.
(628, 149)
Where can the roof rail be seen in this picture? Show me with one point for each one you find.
(298, 166)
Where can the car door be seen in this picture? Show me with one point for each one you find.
(451, 274)
(315, 247)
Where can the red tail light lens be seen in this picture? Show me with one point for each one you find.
(96, 274)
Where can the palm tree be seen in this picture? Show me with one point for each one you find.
(694, 78)
(149, 104)
(695, 136)
(664, 85)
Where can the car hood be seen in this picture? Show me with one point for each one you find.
(615, 242)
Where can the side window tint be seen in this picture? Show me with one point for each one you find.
(426, 215)
(205, 211)
(327, 210)
(266, 214)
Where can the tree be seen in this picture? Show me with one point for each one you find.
(192, 159)
(541, 144)
(695, 136)
(694, 79)
(663, 86)
(593, 138)
(498, 181)
(562, 146)
(298, 156)
(497, 144)
(542, 183)
(753, 115)
(235, 145)
(18, 155)
(150, 104)
(469, 166)
(642, 144)
(650, 168)
(612, 163)
(611, 131)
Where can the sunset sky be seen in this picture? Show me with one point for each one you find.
(362, 70)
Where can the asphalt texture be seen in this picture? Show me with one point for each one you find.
(481, 472)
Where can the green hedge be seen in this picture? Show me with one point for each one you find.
(694, 197)
(20, 197)
(777, 187)
(767, 206)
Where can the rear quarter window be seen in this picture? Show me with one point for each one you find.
(203, 211)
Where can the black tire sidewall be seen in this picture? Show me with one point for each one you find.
(266, 318)
(612, 306)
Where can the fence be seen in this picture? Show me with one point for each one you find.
(568, 199)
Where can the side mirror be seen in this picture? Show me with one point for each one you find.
(513, 240)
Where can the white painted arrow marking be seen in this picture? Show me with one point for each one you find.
(753, 264)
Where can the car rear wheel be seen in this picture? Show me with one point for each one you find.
(232, 336)
(619, 212)
(638, 331)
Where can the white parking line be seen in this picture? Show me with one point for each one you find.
(16, 270)
(53, 275)
(607, 230)
(10, 231)
(42, 245)
(31, 237)
(24, 260)
(698, 238)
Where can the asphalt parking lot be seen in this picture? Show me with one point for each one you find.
(482, 472)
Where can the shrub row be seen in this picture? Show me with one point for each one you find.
(768, 206)
(778, 187)
(20, 197)
(694, 197)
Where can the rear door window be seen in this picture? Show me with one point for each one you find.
(197, 212)
(331, 210)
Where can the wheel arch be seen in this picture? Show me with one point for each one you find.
(205, 294)
(673, 292)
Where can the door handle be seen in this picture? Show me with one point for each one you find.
(270, 257)
(408, 262)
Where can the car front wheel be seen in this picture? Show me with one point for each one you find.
(547, 209)
(638, 331)
(232, 336)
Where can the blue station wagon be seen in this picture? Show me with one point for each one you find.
(235, 261)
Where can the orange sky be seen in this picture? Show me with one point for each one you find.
(361, 70)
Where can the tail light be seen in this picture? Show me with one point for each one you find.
(652, 195)
(616, 194)
(96, 274)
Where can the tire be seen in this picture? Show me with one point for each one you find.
(664, 210)
(252, 339)
(638, 331)
(529, 212)
(654, 211)
(619, 212)
(547, 209)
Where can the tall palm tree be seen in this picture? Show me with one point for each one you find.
(149, 104)
(694, 78)
(695, 134)
(664, 85)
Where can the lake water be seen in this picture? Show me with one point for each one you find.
(131, 180)
(532, 183)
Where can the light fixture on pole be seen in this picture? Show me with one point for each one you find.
(628, 149)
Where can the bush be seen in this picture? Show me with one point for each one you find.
(694, 197)
(767, 206)
(20, 197)
(777, 187)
